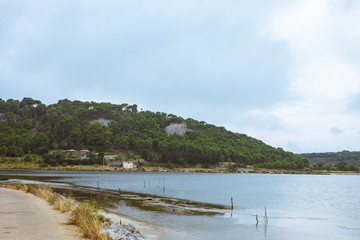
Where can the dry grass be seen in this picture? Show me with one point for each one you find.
(63, 205)
(46, 193)
(88, 221)
(15, 186)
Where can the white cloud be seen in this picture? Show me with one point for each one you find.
(323, 76)
(311, 28)
(336, 130)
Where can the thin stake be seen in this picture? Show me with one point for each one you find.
(232, 204)
(164, 185)
(266, 218)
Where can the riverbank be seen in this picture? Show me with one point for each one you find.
(46, 223)
(35, 166)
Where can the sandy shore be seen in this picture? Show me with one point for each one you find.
(25, 216)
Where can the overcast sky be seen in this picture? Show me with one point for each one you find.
(284, 71)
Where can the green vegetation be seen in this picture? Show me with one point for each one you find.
(341, 161)
(29, 127)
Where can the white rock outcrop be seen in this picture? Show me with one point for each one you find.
(178, 128)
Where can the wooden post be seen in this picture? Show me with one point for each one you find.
(164, 185)
(232, 204)
(266, 218)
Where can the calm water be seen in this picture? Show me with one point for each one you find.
(298, 206)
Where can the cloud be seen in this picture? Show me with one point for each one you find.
(322, 70)
(265, 121)
(336, 130)
(293, 147)
(323, 75)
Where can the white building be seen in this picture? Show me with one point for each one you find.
(129, 165)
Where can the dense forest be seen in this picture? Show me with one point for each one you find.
(29, 126)
(345, 160)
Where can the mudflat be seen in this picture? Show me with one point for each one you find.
(25, 216)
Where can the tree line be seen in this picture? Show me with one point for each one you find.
(342, 161)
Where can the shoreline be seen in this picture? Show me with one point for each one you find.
(89, 168)
(78, 220)
(120, 224)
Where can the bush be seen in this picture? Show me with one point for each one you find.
(27, 158)
(170, 165)
(43, 165)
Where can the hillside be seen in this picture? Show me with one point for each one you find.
(28, 126)
(334, 158)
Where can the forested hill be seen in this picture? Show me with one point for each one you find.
(28, 126)
(334, 157)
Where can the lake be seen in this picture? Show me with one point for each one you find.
(198, 205)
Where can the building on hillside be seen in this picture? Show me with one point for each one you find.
(245, 170)
(141, 161)
(84, 154)
(129, 165)
(71, 152)
(110, 157)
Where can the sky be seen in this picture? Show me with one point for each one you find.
(286, 72)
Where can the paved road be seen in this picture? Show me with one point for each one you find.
(26, 217)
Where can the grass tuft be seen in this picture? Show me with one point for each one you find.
(89, 222)
(46, 193)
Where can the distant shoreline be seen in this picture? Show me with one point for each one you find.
(162, 169)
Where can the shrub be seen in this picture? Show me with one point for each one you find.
(43, 165)
(27, 158)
